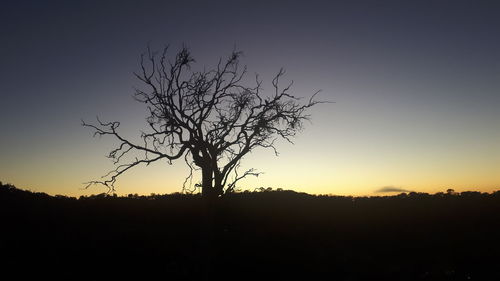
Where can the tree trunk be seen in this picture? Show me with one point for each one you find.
(207, 190)
(218, 188)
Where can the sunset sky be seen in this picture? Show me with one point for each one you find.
(416, 86)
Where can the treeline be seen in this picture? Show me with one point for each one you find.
(12, 191)
(265, 234)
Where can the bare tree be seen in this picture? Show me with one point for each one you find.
(207, 117)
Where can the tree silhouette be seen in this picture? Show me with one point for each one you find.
(209, 118)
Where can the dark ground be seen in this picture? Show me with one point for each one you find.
(260, 235)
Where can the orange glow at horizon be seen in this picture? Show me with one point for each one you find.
(313, 165)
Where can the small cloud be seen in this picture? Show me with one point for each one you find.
(389, 189)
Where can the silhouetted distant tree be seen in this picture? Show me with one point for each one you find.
(451, 191)
(210, 118)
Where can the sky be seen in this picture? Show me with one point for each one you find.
(416, 86)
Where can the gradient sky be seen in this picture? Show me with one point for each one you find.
(416, 86)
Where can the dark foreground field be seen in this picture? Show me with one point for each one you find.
(262, 235)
